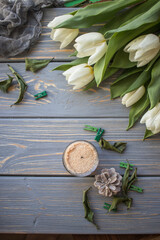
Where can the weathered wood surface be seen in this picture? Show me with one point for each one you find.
(54, 205)
(61, 101)
(33, 136)
(46, 48)
(35, 146)
(79, 237)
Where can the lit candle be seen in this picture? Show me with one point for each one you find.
(80, 158)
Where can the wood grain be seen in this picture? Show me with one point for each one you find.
(61, 101)
(35, 146)
(34, 134)
(51, 205)
(78, 237)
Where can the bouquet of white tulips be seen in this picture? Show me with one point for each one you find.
(128, 40)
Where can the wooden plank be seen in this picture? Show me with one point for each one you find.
(46, 47)
(35, 146)
(62, 101)
(79, 237)
(54, 205)
(42, 237)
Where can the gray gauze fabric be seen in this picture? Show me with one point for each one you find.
(20, 25)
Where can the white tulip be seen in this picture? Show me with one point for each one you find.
(91, 44)
(152, 119)
(79, 75)
(132, 97)
(143, 49)
(63, 35)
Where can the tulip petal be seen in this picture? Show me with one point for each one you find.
(52, 34)
(91, 44)
(141, 54)
(134, 44)
(126, 97)
(150, 124)
(157, 122)
(99, 53)
(152, 119)
(79, 75)
(61, 33)
(88, 79)
(146, 57)
(143, 49)
(135, 96)
(132, 57)
(155, 131)
(84, 52)
(68, 39)
(145, 117)
(58, 20)
(68, 72)
(90, 38)
(85, 46)
(150, 113)
(149, 42)
(64, 35)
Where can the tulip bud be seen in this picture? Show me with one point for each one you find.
(91, 44)
(63, 35)
(143, 49)
(79, 75)
(132, 97)
(152, 119)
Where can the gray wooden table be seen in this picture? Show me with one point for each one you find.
(37, 195)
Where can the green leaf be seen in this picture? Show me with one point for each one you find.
(149, 66)
(73, 54)
(4, 85)
(107, 206)
(118, 200)
(127, 15)
(132, 179)
(74, 3)
(117, 146)
(154, 86)
(148, 17)
(121, 60)
(90, 85)
(125, 180)
(124, 82)
(22, 84)
(35, 65)
(99, 69)
(119, 40)
(89, 215)
(93, 1)
(110, 72)
(96, 13)
(137, 110)
(128, 202)
(148, 134)
(66, 66)
(143, 78)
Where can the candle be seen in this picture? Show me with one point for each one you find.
(80, 158)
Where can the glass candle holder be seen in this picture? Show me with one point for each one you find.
(80, 158)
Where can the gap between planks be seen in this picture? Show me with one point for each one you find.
(38, 58)
(64, 176)
(61, 117)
